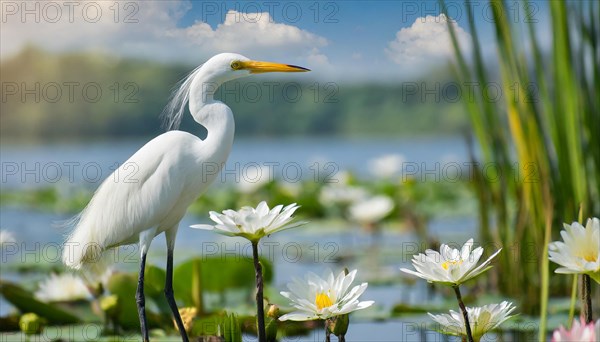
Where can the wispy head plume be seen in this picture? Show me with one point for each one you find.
(173, 112)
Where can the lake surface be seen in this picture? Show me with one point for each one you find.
(90, 163)
(293, 252)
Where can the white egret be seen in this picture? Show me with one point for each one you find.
(171, 171)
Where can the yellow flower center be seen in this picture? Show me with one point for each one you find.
(590, 256)
(447, 264)
(323, 301)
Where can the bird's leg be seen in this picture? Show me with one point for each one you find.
(141, 300)
(171, 298)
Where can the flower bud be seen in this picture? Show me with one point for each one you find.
(339, 325)
(32, 324)
(110, 305)
(273, 311)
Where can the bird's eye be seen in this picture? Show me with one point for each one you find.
(235, 65)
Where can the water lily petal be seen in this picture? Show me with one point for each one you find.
(202, 226)
(324, 296)
(298, 316)
(579, 252)
(449, 265)
(253, 223)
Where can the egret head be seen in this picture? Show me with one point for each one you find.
(210, 75)
(228, 66)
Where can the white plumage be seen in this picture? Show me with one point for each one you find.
(166, 178)
(169, 172)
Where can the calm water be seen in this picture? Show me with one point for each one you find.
(90, 163)
(293, 253)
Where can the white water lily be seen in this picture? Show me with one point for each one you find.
(386, 166)
(579, 252)
(341, 194)
(371, 210)
(580, 331)
(64, 287)
(482, 319)
(322, 298)
(450, 266)
(252, 223)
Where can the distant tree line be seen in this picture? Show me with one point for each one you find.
(86, 96)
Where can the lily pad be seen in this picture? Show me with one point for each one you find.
(124, 285)
(403, 309)
(26, 302)
(195, 278)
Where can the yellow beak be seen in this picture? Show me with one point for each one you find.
(258, 67)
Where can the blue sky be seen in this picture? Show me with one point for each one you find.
(364, 27)
(373, 40)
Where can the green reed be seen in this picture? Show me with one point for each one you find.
(546, 128)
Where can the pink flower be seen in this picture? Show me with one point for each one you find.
(579, 332)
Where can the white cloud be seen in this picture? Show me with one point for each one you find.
(149, 29)
(60, 26)
(317, 58)
(426, 42)
(242, 33)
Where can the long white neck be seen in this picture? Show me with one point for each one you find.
(214, 115)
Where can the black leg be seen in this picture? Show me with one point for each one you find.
(141, 300)
(171, 298)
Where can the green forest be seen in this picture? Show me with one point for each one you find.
(76, 96)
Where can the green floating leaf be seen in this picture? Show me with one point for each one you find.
(154, 285)
(216, 275)
(298, 328)
(9, 323)
(25, 302)
(206, 326)
(124, 286)
(407, 309)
